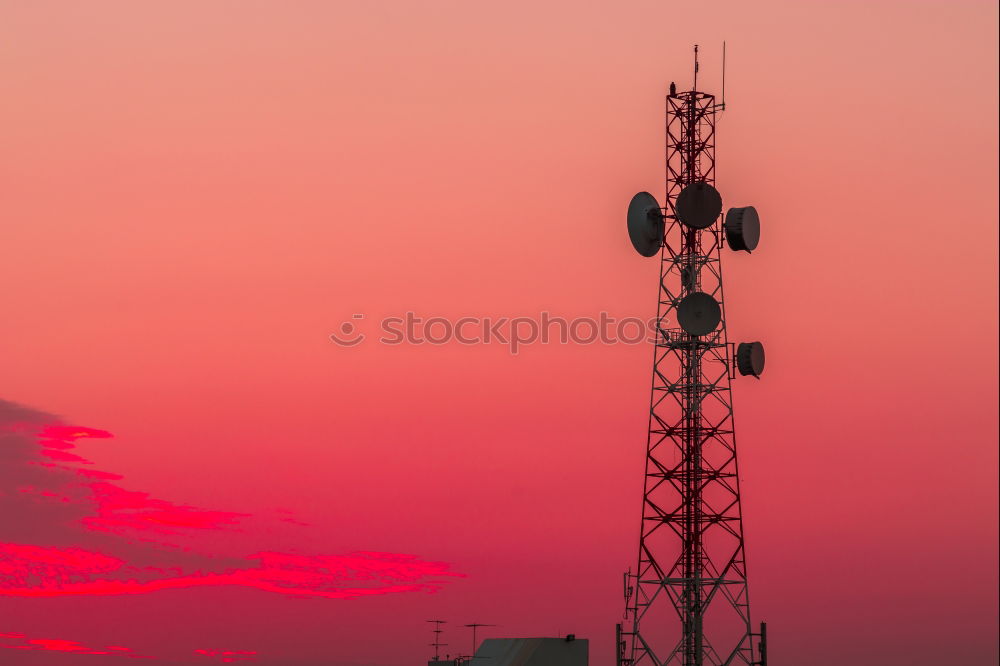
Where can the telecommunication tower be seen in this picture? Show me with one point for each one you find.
(687, 602)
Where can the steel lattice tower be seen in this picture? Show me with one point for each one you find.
(687, 602)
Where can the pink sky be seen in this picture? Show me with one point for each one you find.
(196, 194)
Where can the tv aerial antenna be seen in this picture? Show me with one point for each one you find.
(437, 644)
(474, 626)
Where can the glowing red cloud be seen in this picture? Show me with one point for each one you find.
(97, 505)
(228, 656)
(62, 456)
(68, 560)
(16, 641)
(73, 572)
(119, 509)
(98, 474)
(64, 433)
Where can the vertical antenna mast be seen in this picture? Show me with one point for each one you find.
(694, 86)
(474, 626)
(437, 644)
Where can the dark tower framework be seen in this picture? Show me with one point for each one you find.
(687, 602)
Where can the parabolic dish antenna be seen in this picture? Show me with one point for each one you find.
(698, 205)
(645, 224)
(698, 313)
(743, 228)
(750, 358)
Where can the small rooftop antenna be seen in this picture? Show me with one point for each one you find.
(437, 644)
(474, 626)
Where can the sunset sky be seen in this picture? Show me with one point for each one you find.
(196, 194)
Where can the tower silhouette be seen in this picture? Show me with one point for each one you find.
(687, 602)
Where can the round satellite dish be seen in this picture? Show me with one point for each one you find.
(750, 358)
(742, 228)
(698, 205)
(645, 224)
(698, 313)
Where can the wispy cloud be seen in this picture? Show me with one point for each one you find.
(77, 530)
(16, 641)
(227, 656)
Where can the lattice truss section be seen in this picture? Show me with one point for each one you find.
(688, 597)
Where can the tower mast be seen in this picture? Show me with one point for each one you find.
(687, 602)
